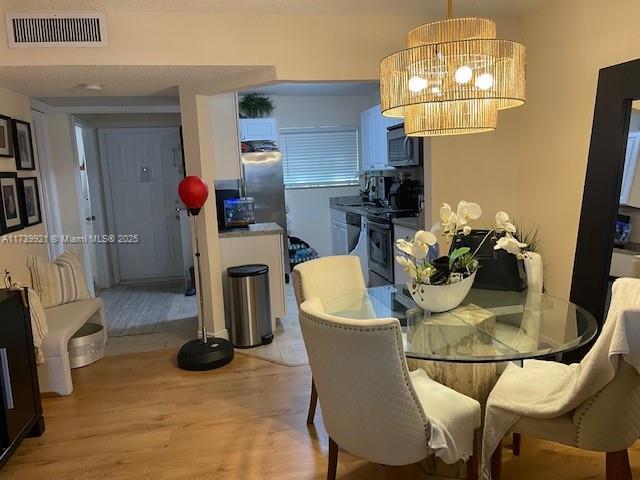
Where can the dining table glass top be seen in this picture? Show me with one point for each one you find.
(489, 325)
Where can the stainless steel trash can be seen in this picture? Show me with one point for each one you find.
(249, 305)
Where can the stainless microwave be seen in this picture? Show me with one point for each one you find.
(403, 151)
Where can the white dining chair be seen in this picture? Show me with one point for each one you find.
(608, 422)
(326, 278)
(372, 406)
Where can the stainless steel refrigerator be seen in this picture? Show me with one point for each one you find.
(263, 181)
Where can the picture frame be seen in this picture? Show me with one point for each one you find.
(29, 197)
(6, 136)
(11, 216)
(23, 145)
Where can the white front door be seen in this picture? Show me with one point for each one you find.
(142, 169)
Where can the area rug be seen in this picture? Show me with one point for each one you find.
(287, 347)
(146, 308)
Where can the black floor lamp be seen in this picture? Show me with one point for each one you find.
(204, 353)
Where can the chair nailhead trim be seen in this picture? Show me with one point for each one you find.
(591, 402)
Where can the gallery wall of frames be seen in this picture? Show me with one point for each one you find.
(19, 192)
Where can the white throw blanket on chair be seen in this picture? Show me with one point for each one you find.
(544, 389)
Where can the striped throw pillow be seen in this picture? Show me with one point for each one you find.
(59, 282)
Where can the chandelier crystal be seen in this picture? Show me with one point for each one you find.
(452, 78)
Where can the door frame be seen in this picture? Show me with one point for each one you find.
(618, 87)
(104, 277)
(48, 187)
(106, 184)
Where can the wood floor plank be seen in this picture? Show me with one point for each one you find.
(139, 417)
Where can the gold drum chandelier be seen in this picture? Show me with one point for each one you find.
(452, 78)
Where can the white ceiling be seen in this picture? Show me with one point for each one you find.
(426, 8)
(334, 89)
(121, 80)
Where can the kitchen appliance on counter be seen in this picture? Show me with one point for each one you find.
(239, 212)
(380, 244)
(224, 191)
(376, 189)
(623, 230)
(403, 151)
(405, 194)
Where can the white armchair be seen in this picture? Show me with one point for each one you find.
(326, 278)
(372, 406)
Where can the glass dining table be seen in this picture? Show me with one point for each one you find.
(463, 348)
(489, 326)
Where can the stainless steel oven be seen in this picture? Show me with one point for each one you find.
(403, 151)
(380, 246)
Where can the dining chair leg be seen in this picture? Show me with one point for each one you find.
(472, 463)
(313, 402)
(496, 463)
(617, 465)
(332, 468)
(515, 446)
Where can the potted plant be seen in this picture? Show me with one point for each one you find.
(255, 105)
(442, 284)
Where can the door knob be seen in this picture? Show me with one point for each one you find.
(92, 218)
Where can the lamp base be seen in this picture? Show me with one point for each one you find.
(197, 355)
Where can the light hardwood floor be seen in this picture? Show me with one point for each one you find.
(138, 416)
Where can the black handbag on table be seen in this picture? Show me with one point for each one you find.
(499, 269)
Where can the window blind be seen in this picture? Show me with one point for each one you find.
(323, 156)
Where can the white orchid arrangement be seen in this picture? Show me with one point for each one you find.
(461, 262)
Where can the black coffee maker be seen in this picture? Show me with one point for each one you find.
(404, 194)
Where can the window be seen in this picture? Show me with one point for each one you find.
(317, 157)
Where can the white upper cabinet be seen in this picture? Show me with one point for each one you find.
(258, 129)
(373, 135)
(630, 192)
(223, 113)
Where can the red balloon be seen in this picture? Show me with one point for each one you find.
(193, 191)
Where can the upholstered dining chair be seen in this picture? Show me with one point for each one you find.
(326, 278)
(372, 406)
(607, 422)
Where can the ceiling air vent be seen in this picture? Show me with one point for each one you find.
(56, 30)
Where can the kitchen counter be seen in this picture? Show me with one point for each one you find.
(630, 248)
(253, 230)
(414, 223)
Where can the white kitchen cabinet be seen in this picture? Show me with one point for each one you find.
(258, 129)
(624, 263)
(399, 231)
(262, 249)
(630, 191)
(223, 113)
(373, 135)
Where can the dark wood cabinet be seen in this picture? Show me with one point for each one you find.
(20, 407)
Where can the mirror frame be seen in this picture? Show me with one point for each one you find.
(618, 87)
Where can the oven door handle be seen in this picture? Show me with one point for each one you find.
(379, 225)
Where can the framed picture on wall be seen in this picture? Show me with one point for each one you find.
(6, 137)
(23, 145)
(11, 216)
(29, 197)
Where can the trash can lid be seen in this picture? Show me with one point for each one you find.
(247, 270)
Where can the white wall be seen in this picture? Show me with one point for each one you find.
(13, 256)
(309, 216)
(308, 208)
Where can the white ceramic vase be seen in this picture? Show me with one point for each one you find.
(441, 298)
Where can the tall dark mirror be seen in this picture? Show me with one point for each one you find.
(608, 240)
